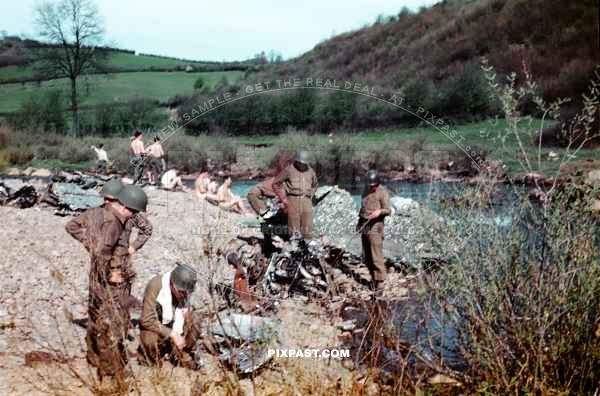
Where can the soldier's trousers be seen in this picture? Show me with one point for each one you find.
(102, 167)
(372, 245)
(107, 329)
(153, 346)
(300, 216)
(137, 162)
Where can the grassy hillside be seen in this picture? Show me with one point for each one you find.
(556, 40)
(16, 65)
(96, 89)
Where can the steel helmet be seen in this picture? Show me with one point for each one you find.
(133, 197)
(184, 277)
(302, 157)
(373, 177)
(111, 188)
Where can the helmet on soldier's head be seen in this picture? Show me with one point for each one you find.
(111, 188)
(302, 157)
(184, 277)
(373, 177)
(133, 197)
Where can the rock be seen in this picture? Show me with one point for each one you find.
(593, 177)
(442, 379)
(12, 172)
(404, 206)
(347, 325)
(28, 171)
(596, 205)
(417, 233)
(41, 173)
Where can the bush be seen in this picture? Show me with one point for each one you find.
(45, 112)
(466, 95)
(19, 155)
(112, 119)
(523, 299)
(199, 83)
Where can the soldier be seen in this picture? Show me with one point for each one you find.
(138, 154)
(125, 247)
(375, 207)
(102, 166)
(296, 187)
(99, 230)
(166, 324)
(259, 194)
(157, 162)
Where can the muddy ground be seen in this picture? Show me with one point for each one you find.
(43, 297)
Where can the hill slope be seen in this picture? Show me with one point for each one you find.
(556, 40)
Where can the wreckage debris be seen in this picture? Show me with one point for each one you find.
(244, 340)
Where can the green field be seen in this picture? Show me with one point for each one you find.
(105, 88)
(117, 60)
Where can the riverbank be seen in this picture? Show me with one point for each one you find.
(43, 297)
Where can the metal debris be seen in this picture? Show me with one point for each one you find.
(245, 339)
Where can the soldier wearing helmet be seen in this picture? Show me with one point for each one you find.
(166, 324)
(99, 230)
(295, 188)
(134, 198)
(375, 207)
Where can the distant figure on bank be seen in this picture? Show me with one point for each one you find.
(296, 187)
(228, 200)
(137, 151)
(170, 181)
(102, 165)
(375, 207)
(166, 324)
(157, 163)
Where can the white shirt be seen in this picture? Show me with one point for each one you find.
(169, 180)
(101, 153)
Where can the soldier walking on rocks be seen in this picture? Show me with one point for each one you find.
(99, 230)
(296, 187)
(375, 207)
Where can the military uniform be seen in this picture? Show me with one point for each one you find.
(141, 222)
(298, 188)
(259, 193)
(372, 233)
(99, 230)
(155, 336)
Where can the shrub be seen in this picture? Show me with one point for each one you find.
(45, 112)
(19, 155)
(199, 83)
(523, 299)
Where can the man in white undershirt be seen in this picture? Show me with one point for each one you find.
(102, 166)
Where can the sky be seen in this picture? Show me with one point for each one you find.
(219, 30)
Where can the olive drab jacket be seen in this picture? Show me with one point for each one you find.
(141, 222)
(294, 183)
(151, 319)
(372, 201)
(99, 230)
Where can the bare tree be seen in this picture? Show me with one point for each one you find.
(71, 29)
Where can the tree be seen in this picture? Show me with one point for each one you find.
(71, 29)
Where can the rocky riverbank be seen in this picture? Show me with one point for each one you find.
(43, 294)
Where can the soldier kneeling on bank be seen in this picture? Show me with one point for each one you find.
(166, 324)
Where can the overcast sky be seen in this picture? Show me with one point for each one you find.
(220, 29)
